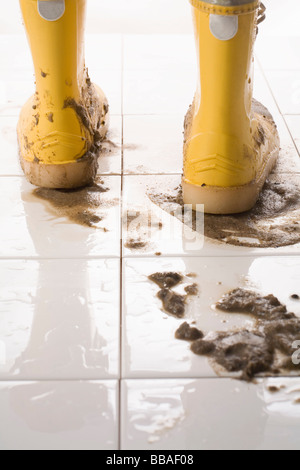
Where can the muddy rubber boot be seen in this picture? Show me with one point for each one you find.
(61, 127)
(231, 141)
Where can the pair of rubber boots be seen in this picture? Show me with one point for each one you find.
(231, 142)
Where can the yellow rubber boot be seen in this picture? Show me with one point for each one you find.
(231, 141)
(61, 126)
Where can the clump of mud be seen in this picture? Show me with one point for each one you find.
(273, 222)
(267, 348)
(135, 244)
(80, 206)
(242, 301)
(295, 297)
(166, 280)
(192, 289)
(275, 389)
(188, 333)
(173, 303)
(90, 110)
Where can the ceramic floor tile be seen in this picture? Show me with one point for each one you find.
(279, 53)
(146, 223)
(15, 54)
(293, 123)
(275, 25)
(110, 161)
(11, 22)
(58, 415)
(210, 415)
(111, 83)
(30, 227)
(159, 51)
(286, 89)
(14, 93)
(149, 345)
(134, 17)
(103, 52)
(176, 400)
(289, 161)
(158, 91)
(153, 144)
(9, 161)
(59, 319)
(150, 230)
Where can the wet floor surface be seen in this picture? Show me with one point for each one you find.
(94, 354)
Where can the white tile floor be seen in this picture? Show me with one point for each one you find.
(81, 365)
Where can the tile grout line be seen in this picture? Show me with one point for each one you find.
(113, 380)
(179, 173)
(152, 255)
(106, 175)
(121, 249)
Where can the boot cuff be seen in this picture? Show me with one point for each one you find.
(226, 7)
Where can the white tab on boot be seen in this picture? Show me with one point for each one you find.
(224, 27)
(51, 10)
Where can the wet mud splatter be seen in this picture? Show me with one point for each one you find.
(267, 348)
(295, 297)
(166, 280)
(192, 289)
(273, 222)
(267, 308)
(80, 206)
(135, 244)
(50, 117)
(275, 389)
(173, 303)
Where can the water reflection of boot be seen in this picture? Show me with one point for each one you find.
(64, 415)
(64, 339)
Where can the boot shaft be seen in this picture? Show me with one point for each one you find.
(224, 44)
(60, 127)
(55, 32)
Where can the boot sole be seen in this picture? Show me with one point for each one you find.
(63, 176)
(231, 200)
